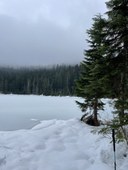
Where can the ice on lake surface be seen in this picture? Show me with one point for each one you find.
(25, 111)
(53, 144)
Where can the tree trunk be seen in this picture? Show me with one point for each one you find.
(96, 122)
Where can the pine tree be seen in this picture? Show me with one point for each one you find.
(90, 84)
(117, 41)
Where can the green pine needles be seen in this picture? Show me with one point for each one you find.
(104, 70)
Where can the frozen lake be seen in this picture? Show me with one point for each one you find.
(25, 111)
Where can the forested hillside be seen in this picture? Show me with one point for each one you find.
(56, 80)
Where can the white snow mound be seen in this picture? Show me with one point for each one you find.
(59, 145)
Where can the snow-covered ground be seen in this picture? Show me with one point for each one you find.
(59, 145)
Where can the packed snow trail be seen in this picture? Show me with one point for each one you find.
(57, 145)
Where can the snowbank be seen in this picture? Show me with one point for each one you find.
(58, 145)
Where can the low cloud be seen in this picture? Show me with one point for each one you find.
(44, 32)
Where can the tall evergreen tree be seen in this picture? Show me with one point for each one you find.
(105, 67)
(90, 85)
(117, 41)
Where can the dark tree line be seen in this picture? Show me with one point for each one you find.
(56, 80)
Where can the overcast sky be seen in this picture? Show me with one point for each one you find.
(45, 32)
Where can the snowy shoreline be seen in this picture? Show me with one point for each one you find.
(55, 144)
(20, 111)
(58, 145)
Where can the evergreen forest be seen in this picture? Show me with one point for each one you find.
(56, 80)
